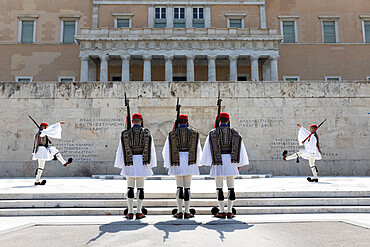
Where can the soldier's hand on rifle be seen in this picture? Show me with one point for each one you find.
(298, 125)
(62, 122)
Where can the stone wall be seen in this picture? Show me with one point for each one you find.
(266, 114)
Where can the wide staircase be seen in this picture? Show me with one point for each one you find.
(26, 204)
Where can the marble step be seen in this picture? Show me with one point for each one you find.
(211, 195)
(243, 202)
(166, 177)
(167, 210)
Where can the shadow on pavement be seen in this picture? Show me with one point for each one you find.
(229, 225)
(176, 225)
(29, 186)
(119, 226)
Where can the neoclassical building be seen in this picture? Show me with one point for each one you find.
(218, 40)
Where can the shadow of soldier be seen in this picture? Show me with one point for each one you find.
(176, 225)
(229, 225)
(119, 226)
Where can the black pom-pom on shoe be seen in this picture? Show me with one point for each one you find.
(70, 160)
(285, 153)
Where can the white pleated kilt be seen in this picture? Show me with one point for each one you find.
(183, 169)
(306, 155)
(44, 153)
(137, 169)
(227, 168)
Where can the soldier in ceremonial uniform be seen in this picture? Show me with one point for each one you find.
(182, 153)
(311, 150)
(136, 157)
(224, 151)
(44, 151)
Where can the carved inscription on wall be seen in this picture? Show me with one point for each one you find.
(261, 122)
(79, 151)
(101, 124)
(281, 144)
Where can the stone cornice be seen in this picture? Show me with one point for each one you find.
(183, 2)
(186, 34)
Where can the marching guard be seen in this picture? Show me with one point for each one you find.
(43, 149)
(311, 150)
(225, 152)
(182, 153)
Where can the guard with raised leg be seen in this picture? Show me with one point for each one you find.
(311, 150)
(43, 149)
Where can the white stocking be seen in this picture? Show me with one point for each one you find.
(313, 167)
(139, 185)
(130, 201)
(219, 185)
(294, 156)
(179, 183)
(230, 185)
(39, 171)
(187, 184)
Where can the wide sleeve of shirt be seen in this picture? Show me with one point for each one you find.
(302, 134)
(53, 131)
(199, 153)
(166, 154)
(120, 161)
(153, 156)
(207, 154)
(244, 160)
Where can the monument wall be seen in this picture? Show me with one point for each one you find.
(265, 113)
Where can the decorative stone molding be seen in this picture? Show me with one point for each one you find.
(254, 57)
(168, 57)
(329, 17)
(147, 57)
(212, 57)
(288, 17)
(181, 2)
(125, 57)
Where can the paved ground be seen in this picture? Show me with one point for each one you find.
(253, 230)
(85, 185)
(195, 232)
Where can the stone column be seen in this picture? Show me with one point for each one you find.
(168, 68)
(147, 74)
(266, 73)
(207, 13)
(274, 67)
(254, 68)
(190, 67)
(211, 67)
(125, 76)
(189, 16)
(263, 16)
(233, 68)
(92, 70)
(104, 67)
(169, 15)
(150, 15)
(84, 76)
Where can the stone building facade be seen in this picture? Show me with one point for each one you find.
(218, 40)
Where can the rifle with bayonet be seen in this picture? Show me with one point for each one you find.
(33, 120)
(217, 121)
(178, 106)
(314, 131)
(128, 117)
